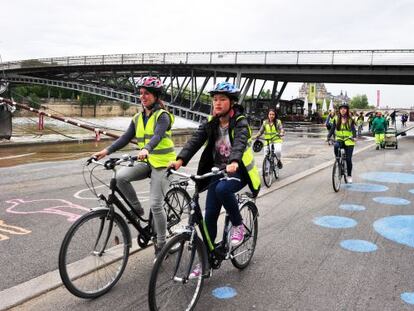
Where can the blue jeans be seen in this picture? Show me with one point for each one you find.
(348, 152)
(222, 193)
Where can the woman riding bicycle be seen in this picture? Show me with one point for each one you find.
(226, 135)
(273, 132)
(344, 128)
(152, 130)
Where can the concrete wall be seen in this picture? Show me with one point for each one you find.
(71, 108)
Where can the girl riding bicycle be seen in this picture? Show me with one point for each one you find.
(226, 135)
(273, 130)
(152, 129)
(344, 128)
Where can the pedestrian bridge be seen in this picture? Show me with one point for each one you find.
(186, 74)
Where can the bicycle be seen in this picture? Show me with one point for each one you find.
(95, 250)
(339, 169)
(171, 286)
(270, 166)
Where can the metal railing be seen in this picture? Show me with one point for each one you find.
(108, 93)
(311, 57)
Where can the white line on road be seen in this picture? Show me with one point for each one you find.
(17, 156)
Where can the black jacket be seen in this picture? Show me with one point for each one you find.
(208, 132)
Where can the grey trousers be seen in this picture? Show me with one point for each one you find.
(158, 187)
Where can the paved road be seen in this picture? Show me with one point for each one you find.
(299, 265)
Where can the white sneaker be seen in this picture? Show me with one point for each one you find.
(349, 179)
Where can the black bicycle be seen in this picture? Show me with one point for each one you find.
(270, 168)
(172, 287)
(95, 250)
(339, 169)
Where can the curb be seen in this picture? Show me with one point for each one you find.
(28, 290)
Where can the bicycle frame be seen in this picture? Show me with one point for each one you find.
(215, 253)
(113, 199)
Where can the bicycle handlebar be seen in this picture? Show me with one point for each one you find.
(214, 172)
(112, 162)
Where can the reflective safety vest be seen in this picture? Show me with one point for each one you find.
(271, 130)
(344, 133)
(248, 160)
(164, 152)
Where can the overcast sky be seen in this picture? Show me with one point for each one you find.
(49, 28)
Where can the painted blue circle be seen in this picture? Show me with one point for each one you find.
(361, 187)
(408, 298)
(224, 292)
(335, 222)
(411, 191)
(391, 177)
(359, 246)
(399, 228)
(391, 201)
(352, 207)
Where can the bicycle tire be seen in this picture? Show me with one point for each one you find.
(176, 205)
(336, 176)
(243, 254)
(267, 172)
(344, 171)
(85, 270)
(167, 290)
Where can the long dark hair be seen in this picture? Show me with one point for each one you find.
(349, 120)
(272, 110)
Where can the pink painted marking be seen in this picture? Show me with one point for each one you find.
(46, 206)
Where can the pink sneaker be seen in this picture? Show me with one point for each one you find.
(196, 272)
(237, 236)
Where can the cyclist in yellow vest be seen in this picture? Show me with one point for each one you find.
(226, 136)
(344, 129)
(272, 129)
(152, 130)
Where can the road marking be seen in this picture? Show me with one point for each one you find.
(17, 156)
(11, 230)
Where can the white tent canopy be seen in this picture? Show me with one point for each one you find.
(324, 106)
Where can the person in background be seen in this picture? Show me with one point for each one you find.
(344, 127)
(379, 126)
(360, 123)
(273, 131)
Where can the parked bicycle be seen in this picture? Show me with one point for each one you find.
(172, 287)
(95, 250)
(339, 170)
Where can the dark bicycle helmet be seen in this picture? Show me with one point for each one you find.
(344, 104)
(226, 88)
(257, 146)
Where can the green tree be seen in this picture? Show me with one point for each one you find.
(359, 102)
(86, 99)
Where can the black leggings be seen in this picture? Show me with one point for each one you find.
(348, 152)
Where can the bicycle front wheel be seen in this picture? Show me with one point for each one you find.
(267, 172)
(242, 255)
(170, 286)
(176, 204)
(336, 176)
(94, 254)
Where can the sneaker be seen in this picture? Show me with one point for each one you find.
(237, 236)
(279, 164)
(196, 272)
(349, 179)
(377, 148)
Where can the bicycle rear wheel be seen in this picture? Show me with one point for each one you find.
(169, 287)
(267, 172)
(242, 255)
(176, 205)
(336, 176)
(94, 254)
